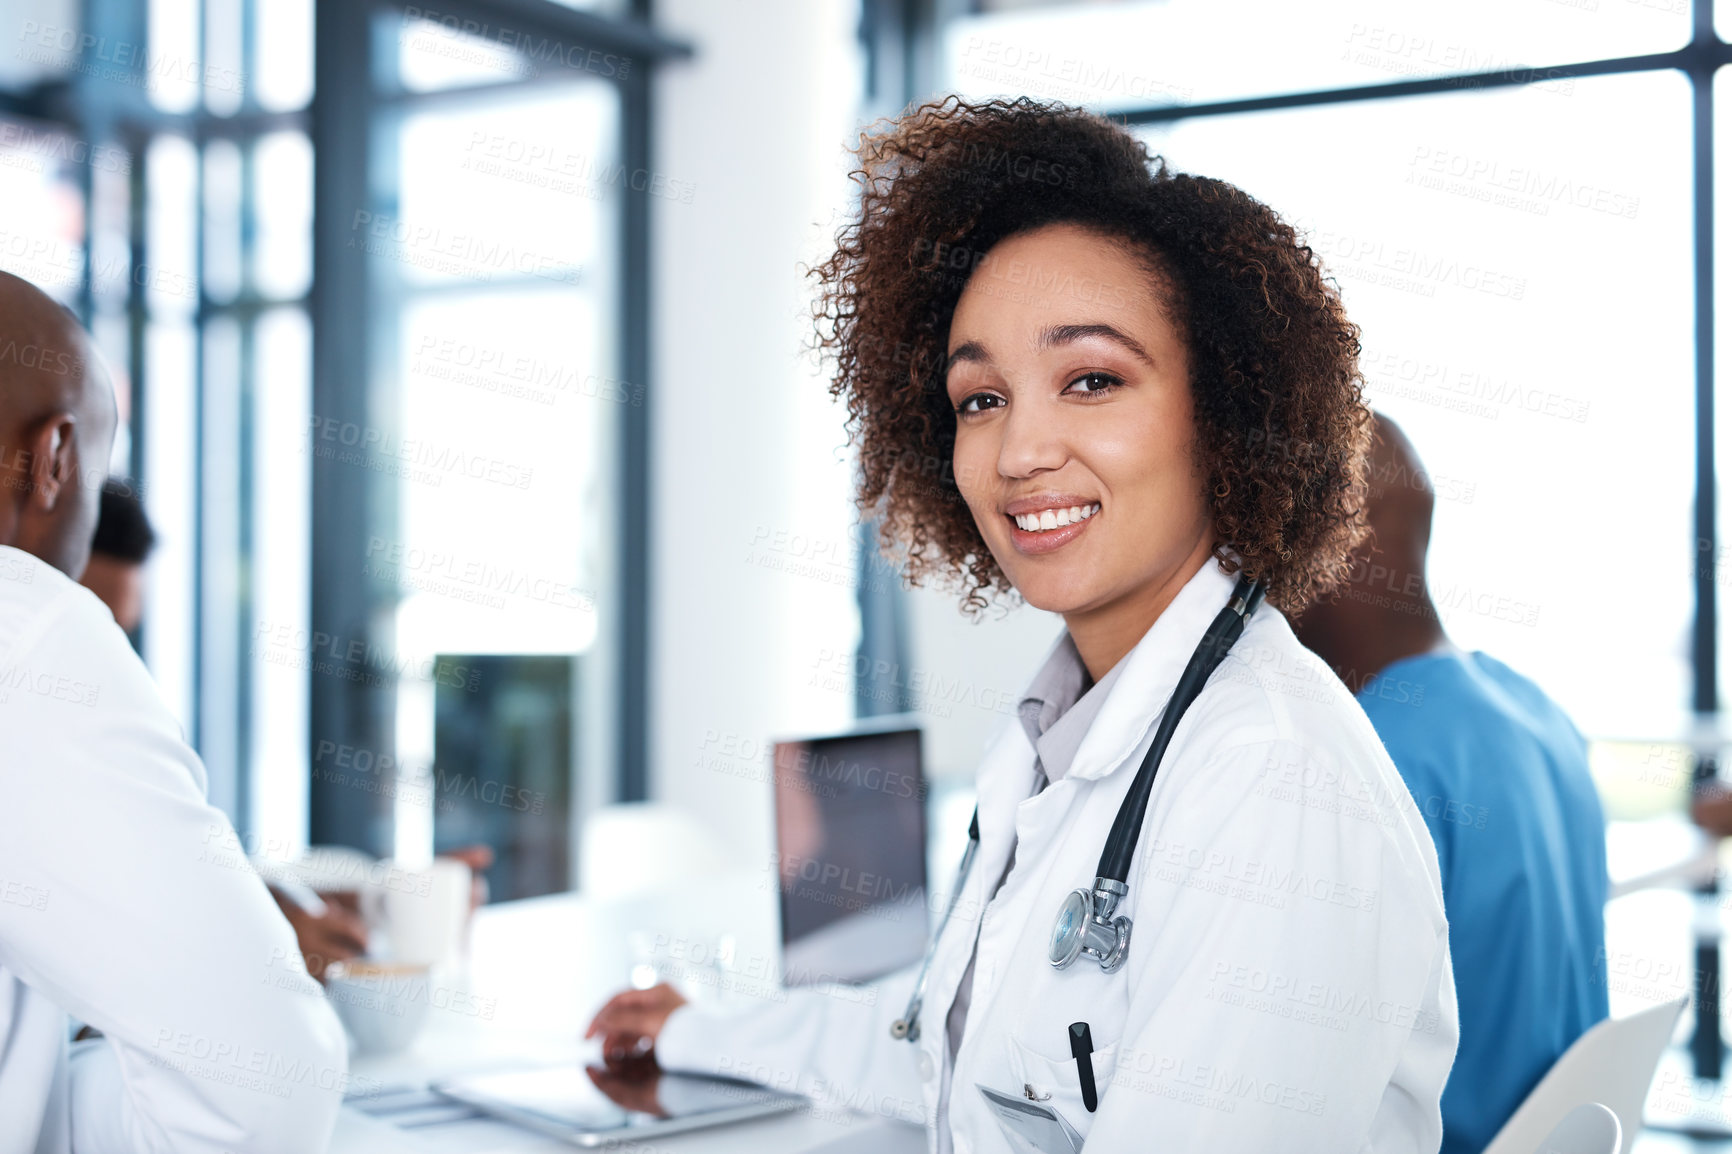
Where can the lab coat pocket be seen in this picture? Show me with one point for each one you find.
(1057, 1084)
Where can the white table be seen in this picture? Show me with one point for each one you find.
(535, 973)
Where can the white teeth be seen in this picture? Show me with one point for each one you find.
(1054, 518)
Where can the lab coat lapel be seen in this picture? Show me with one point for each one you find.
(1008, 762)
(1151, 673)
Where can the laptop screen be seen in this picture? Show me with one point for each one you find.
(851, 855)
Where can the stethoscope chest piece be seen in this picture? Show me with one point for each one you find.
(1086, 925)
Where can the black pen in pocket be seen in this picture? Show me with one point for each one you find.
(1081, 1046)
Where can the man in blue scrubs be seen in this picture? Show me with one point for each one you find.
(1501, 777)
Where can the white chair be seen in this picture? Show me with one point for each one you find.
(1613, 1063)
(1590, 1129)
(639, 847)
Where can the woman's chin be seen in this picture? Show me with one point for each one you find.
(1060, 597)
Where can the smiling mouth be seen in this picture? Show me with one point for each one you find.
(1050, 519)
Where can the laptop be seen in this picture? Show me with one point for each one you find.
(851, 853)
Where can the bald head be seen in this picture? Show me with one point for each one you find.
(1401, 498)
(57, 419)
(1383, 613)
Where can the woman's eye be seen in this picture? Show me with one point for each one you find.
(979, 402)
(1093, 384)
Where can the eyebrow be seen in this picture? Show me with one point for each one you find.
(1051, 337)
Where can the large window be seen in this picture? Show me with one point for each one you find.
(492, 264)
(382, 362)
(1519, 262)
(478, 436)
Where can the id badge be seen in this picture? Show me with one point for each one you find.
(1031, 1125)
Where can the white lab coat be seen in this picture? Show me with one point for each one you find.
(126, 902)
(1288, 984)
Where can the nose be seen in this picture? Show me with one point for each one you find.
(1032, 442)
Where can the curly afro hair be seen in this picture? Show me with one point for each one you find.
(1282, 428)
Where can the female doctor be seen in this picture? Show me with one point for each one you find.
(1148, 396)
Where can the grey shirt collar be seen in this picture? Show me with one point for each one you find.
(1060, 706)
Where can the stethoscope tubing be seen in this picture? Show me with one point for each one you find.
(1222, 634)
(1121, 844)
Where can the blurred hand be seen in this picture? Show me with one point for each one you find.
(635, 1090)
(333, 936)
(630, 1023)
(1711, 808)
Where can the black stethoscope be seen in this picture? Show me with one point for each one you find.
(1086, 923)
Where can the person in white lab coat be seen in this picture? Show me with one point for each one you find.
(1078, 376)
(126, 901)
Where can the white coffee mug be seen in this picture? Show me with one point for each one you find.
(383, 1005)
(420, 913)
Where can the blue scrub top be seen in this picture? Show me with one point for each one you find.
(1501, 777)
